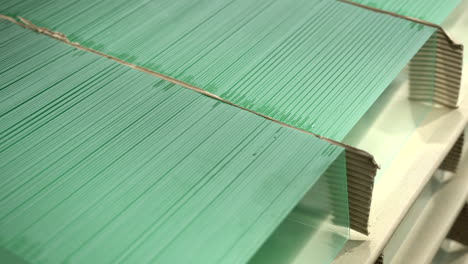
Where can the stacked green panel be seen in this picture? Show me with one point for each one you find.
(299, 239)
(434, 11)
(101, 163)
(318, 65)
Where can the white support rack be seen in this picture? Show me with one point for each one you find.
(435, 220)
(396, 191)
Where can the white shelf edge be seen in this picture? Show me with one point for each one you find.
(396, 191)
(436, 219)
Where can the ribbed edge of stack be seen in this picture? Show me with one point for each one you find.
(452, 159)
(361, 171)
(459, 231)
(436, 70)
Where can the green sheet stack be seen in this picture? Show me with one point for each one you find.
(101, 163)
(318, 65)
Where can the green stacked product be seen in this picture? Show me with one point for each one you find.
(101, 163)
(317, 65)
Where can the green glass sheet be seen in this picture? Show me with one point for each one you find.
(318, 65)
(101, 163)
(299, 239)
(434, 11)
